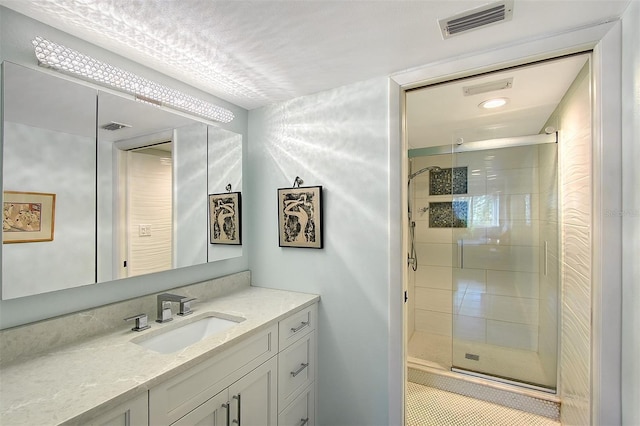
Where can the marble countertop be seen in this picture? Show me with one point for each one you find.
(76, 382)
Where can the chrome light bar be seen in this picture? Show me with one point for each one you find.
(64, 59)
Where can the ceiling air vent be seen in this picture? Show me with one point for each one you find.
(483, 16)
(114, 126)
(492, 86)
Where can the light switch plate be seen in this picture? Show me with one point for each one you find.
(144, 230)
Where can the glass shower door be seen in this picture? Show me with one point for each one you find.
(505, 275)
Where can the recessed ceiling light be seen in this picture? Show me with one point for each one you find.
(493, 103)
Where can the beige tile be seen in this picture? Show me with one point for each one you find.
(474, 232)
(503, 258)
(519, 206)
(431, 347)
(433, 322)
(516, 284)
(513, 181)
(474, 305)
(471, 280)
(512, 309)
(434, 277)
(433, 299)
(511, 335)
(424, 234)
(511, 158)
(515, 232)
(469, 328)
(435, 254)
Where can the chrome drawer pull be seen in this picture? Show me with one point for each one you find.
(299, 370)
(304, 421)
(237, 421)
(228, 408)
(302, 325)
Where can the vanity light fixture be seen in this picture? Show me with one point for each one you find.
(66, 60)
(493, 103)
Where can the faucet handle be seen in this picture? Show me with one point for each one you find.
(141, 322)
(185, 306)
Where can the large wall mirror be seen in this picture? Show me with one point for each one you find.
(130, 183)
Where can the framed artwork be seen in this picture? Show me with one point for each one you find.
(28, 217)
(300, 217)
(225, 215)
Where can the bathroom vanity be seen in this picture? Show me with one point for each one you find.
(259, 371)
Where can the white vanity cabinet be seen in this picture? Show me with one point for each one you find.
(234, 371)
(251, 401)
(297, 368)
(131, 413)
(265, 380)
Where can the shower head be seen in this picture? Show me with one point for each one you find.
(426, 169)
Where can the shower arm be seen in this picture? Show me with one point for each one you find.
(426, 169)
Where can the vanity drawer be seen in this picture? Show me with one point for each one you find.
(297, 325)
(301, 412)
(171, 400)
(296, 368)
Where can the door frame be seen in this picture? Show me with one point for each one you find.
(605, 41)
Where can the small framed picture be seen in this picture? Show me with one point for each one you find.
(300, 217)
(28, 217)
(225, 214)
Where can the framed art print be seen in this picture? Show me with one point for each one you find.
(225, 218)
(28, 217)
(300, 217)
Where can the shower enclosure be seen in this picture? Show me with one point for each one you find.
(483, 259)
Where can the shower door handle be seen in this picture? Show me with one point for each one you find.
(546, 258)
(460, 254)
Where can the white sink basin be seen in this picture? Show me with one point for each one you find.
(184, 335)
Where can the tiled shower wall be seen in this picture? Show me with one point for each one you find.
(573, 119)
(493, 299)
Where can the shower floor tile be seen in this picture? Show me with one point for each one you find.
(431, 407)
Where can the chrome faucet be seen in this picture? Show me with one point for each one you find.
(164, 306)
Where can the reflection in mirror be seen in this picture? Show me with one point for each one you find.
(48, 146)
(155, 169)
(147, 200)
(150, 217)
(225, 168)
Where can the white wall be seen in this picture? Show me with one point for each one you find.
(631, 214)
(65, 167)
(338, 139)
(225, 167)
(16, 33)
(190, 202)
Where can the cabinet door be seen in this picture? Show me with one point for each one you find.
(254, 397)
(301, 412)
(178, 396)
(132, 413)
(214, 412)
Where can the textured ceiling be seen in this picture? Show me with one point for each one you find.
(254, 53)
